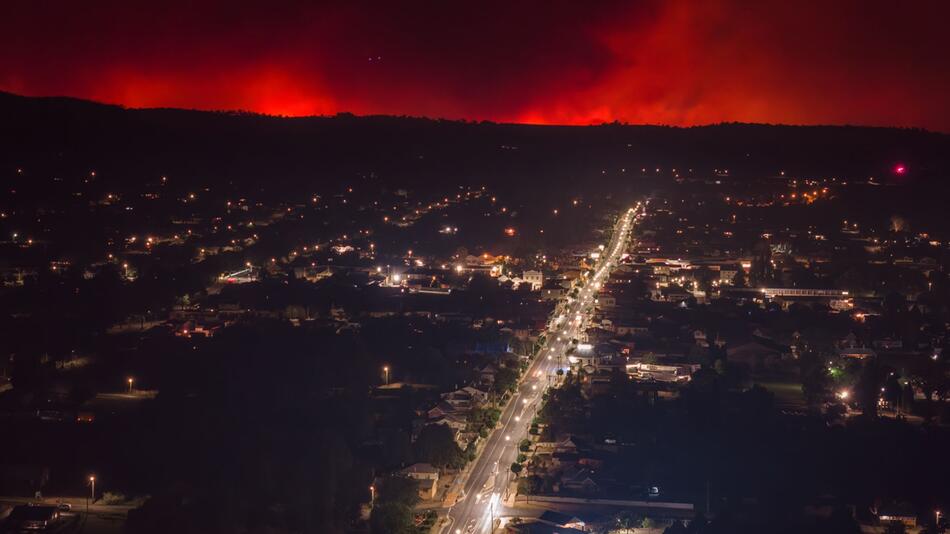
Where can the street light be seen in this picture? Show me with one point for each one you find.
(386, 373)
(131, 380)
(92, 494)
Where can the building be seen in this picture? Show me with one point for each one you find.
(427, 478)
(421, 471)
(662, 373)
(562, 520)
(553, 291)
(486, 375)
(579, 479)
(537, 527)
(456, 422)
(243, 276)
(313, 273)
(534, 278)
(898, 513)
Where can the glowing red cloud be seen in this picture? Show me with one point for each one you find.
(672, 62)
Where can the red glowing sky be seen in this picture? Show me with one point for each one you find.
(679, 62)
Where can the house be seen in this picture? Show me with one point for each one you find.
(486, 375)
(460, 402)
(421, 471)
(478, 396)
(427, 488)
(453, 421)
(537, 527)
(466, 398)
(561, 520)
(440, 410)
(566, 444)
(623, 327)
(553, 291)
(534, 278)
(579, 479)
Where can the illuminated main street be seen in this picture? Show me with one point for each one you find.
(485, 487)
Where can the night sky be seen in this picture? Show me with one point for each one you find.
(572, 62)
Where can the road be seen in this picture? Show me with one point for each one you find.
(487, 481)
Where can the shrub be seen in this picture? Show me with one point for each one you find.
(112, 498)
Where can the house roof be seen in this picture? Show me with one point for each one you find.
(421, 468)
(450, 418)
(557, 518)
(537, 527)
(443, 407)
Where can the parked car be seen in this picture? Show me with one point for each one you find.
(32, 517)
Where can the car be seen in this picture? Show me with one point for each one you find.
(32, 517)
(64, 507)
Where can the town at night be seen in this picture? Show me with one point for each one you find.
(626, 267)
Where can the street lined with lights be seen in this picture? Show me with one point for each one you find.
(489, 473)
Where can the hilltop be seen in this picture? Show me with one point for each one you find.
(66, 136)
